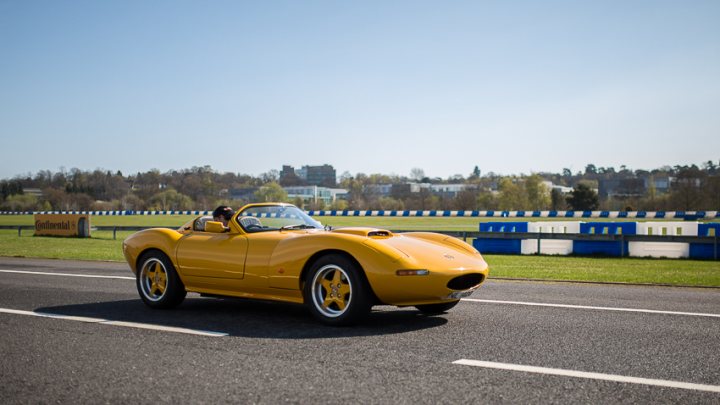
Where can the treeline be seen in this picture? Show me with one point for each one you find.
(200, 188)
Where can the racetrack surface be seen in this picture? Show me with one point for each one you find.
(111, 349)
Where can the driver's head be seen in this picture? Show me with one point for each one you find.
(223, 214)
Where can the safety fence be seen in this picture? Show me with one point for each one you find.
(684, 215)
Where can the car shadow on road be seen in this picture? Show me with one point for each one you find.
(251, 318)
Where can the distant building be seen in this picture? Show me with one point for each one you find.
(315, 194)
(308, 175)
(401, 191)
(33, 191)
(662, 184)
(245, 193)
(622, 188)
(448, 190)
(320, 175)
(380, 190)
(563, 189)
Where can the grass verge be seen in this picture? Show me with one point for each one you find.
(100, 247)
(601, 269)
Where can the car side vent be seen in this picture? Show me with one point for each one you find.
(465, 282)
(379, 234)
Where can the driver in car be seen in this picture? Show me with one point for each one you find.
(223, 214)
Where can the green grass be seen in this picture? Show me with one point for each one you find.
(100, 247)
(629, 270)
(625, 270)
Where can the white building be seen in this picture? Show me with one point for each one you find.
(315, 194)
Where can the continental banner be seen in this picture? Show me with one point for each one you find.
(62, 225)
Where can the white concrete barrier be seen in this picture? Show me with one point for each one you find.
(550, 246)
(663, 249)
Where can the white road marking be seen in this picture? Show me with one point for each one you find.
(540, 304)
(115, 323)
(587, 375)
(40, 273)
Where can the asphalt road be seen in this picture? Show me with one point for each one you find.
(274, 353)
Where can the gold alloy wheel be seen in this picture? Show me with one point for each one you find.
(331, 291)
(153, 279)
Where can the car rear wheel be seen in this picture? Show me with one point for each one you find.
(336, 291)
(158, 283)
(435, 309)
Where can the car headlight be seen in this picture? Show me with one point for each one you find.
(409, 272)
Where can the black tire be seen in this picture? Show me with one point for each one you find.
(436, 309)
(157, 281)
(336, 291)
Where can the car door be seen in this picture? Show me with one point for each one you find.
(212, 255)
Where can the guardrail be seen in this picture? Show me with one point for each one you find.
(464, 235)
(114, 229)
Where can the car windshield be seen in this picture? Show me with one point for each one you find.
(274, 217)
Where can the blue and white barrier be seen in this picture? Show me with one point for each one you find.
(694, 215)
(703, 251)
(615, 248)
(527, 246)
(518, 214)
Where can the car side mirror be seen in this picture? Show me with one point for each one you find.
(215, 227)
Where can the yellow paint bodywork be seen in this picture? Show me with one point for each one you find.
(273, 264)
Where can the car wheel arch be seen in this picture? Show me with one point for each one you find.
(144, 253)
(322, 253)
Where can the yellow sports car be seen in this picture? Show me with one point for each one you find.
(275, 251)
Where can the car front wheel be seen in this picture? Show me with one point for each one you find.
(336, 291)
(158, 283)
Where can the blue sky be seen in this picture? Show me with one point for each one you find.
(367, 86)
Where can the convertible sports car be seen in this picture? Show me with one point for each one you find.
(275, 251)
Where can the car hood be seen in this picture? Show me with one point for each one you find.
(422, 249)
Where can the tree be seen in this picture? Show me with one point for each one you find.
(271, 192)
(712, 185)
(466, 200)
(486, 200)
(583, 198)
(557, 200)
(538, 195)
(710, 167)
(21, 202)
(12, 187)
(512, 195)
(170, 200)
(132, 202)
(687, 189)
(271, 176)
(389, 203)
(417, 174)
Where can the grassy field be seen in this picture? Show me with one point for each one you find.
(629, 270)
